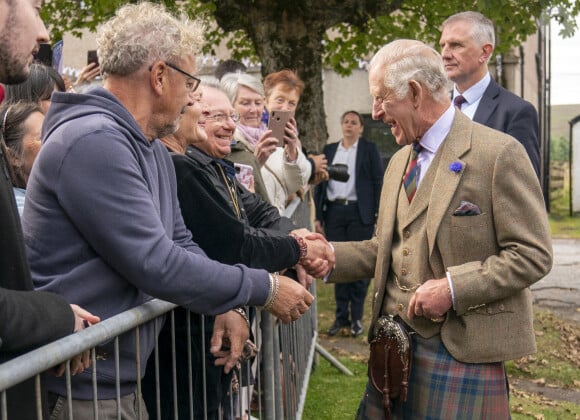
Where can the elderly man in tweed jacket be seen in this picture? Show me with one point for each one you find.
(455, 263)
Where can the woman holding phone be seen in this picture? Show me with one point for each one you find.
(253, 142)
(284, 168)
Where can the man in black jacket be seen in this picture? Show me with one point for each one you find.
(27, 318)
(232, 225)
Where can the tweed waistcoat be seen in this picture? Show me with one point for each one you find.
(411, 264)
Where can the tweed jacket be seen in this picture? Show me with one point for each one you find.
(492, 258)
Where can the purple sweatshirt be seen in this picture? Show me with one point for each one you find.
(103, 228)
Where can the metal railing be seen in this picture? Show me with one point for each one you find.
(282, 371)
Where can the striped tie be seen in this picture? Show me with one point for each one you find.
(412, 173)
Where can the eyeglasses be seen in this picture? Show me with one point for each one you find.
(192, 84)
(221, 117)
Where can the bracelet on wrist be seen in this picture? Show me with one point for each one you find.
(274, 288)
(301, 244)
(243, 314)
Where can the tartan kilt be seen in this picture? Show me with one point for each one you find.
(441, 387)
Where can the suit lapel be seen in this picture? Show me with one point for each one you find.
(455, 145)
(487, 104)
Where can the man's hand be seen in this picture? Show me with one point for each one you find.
(431, 300)
(83, 319)
(230, 332)
(319, 258)
(292, 300)
(304, 278)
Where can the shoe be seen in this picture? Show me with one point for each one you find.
(335, 328)
(356, 329)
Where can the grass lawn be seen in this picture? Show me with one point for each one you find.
(335, 396)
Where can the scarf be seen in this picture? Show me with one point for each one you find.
(252, 134)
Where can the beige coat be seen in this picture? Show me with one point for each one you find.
(493, 257)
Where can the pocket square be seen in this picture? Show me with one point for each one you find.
(467, 209)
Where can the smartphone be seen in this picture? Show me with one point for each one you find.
(277, 123)
(44, 54)
(92, 57)
(244, 174)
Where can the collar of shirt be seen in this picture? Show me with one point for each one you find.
(433, 139)
(473, 95)
(344, 149)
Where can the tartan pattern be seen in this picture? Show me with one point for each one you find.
(412, 173)
(443, 388)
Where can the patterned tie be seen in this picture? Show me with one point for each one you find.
(412, 173)
(458, 101)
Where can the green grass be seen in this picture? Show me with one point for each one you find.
(561, 223)
(333, 395)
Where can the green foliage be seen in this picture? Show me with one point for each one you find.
(560, 149)
(346, 43)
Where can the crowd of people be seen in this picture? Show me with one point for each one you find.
(132, 189)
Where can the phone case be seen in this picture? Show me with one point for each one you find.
(244, 174)
(277, 123)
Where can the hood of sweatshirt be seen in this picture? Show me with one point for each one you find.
(66, 107)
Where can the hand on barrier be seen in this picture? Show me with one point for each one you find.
(230, 333)
(291, 301)
(83, 319)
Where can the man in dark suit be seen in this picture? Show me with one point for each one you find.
(27, 318)
(451, 263)
(347, 211)
(467, 43)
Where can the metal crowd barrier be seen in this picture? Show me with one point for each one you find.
(282, 370)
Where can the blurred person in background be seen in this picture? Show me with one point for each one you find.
(229, 66)
(21, 126)
(38, 88)
(347, 211)
(286, 170)
(253, 142)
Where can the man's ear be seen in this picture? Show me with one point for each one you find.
(486, 52)
(158, 76)
(416, 92)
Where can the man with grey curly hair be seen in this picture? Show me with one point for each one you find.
(102, 222)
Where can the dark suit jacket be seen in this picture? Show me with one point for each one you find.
(369, 173)
(27, 318)
(501, 109)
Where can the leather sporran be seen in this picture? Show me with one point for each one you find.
(390, 361)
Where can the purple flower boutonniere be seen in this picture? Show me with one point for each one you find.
(456, 167)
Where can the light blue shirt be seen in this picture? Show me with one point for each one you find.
(19, 196)
(432, 140)
(472, 96)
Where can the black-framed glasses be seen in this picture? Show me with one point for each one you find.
(221, 117)
(191, 84)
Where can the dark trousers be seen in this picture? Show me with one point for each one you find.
(343, 223)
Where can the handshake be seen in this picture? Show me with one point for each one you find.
(289, 300)
(316, 254)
